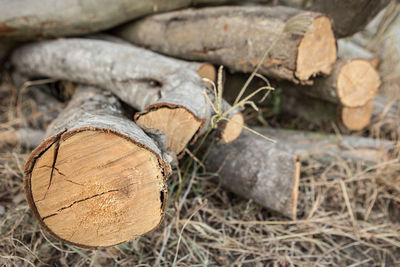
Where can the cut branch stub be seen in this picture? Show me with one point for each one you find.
(97, 172)
(237, 37)
(145, 80)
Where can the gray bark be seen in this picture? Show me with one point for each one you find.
(236, 37)
(34, 19)
(257, 169)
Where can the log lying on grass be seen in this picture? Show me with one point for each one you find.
(98, 180)
(25, 19)
(348, 17)
(169, 95)
(237, 37)
(269, 173)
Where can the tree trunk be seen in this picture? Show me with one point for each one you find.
(169, 95)
(348, 17)
(238, 37)
(269, 173)
(28, 20)
(96, 173)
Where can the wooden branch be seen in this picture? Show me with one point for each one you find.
(97, 172)
(268, 173)
(169, 95)
(27, 20)
(348, 17)
(238, 37)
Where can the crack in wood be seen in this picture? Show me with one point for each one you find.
(53, 167)
(87, 198)
(78, 201)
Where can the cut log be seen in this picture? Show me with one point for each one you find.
(269, 173)
(98, 180)
(169, 95)
(27, 20)
(349, 50)
(295, 103)
(237, 37)
(353, 82)
(348, 17)
(25, 137)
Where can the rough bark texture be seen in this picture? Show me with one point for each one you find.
(34, 19)
(257, 169)
(237, 37)
(348, 17)
(93, 174)
(143, 79)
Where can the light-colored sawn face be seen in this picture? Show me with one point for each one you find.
(357, 83)
(178, 124)
(104, 190)
(317, 50)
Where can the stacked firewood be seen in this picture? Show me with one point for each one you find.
(98, 177)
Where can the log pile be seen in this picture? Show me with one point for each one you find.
(98, 174)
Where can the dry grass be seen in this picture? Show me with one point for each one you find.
(350, 217)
